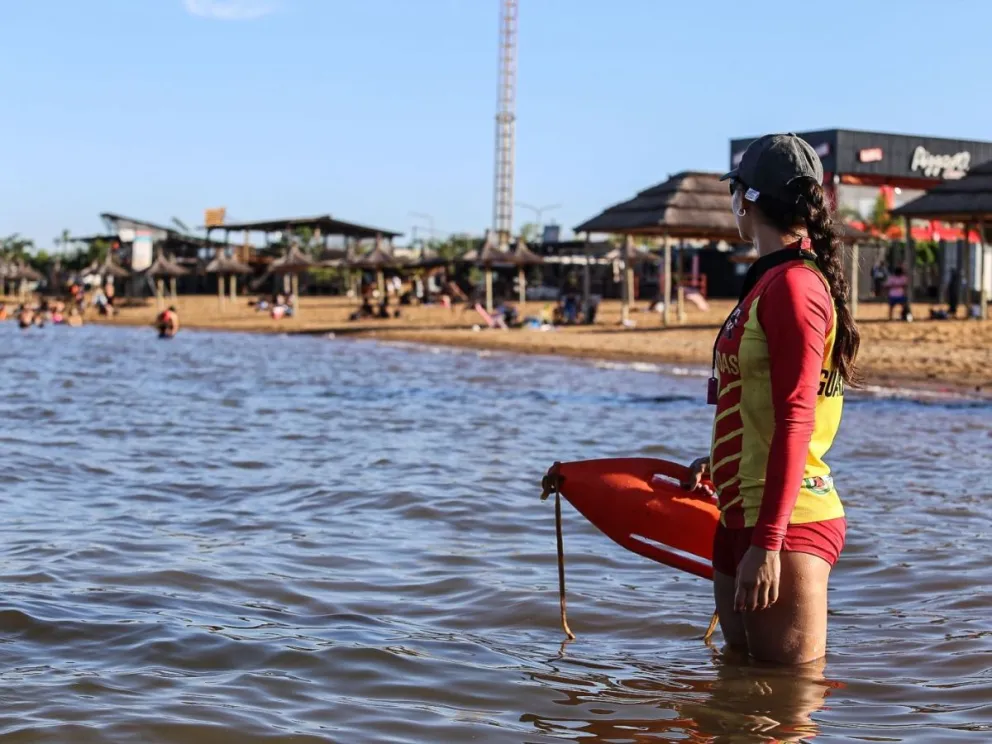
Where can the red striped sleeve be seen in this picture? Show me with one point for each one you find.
(795, 312)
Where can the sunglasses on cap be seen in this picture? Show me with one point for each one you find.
(749, 193)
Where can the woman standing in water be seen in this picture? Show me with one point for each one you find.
(780, 364)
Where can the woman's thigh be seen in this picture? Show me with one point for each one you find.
(794, 629)
(731, 621)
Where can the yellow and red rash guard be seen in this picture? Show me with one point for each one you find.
(779, 400)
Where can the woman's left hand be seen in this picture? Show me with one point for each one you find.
(758, 577)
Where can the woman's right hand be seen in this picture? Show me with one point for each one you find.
(699, 471)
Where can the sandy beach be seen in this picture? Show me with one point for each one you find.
(954, 354)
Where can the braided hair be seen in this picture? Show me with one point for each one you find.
(811, 211)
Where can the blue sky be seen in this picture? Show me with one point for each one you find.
(373, 109)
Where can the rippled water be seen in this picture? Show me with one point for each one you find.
(229, 538)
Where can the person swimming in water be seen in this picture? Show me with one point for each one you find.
(25, 316)
(168, 323)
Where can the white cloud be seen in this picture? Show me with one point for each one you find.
(230, 10)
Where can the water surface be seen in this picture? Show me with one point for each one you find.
(233, 538)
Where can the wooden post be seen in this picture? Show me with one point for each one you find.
(489, 289)
(967, 273)
(680, 292)
(234, 288)
(855, 260)
(160, 293)
(983, 295)
(667, 288)
(628, 244)
(172, 287)
(295, 290)
(910, 261)
(220, 291)
(380, 280)
(522, 281)
(586, 281)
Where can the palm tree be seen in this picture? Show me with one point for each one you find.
(63, 240)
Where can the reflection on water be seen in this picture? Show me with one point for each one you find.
(261, 539)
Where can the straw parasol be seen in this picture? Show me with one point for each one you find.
(377, 260)
(689, 205)
(163, 268)
(21, 273)
(223, 266)
(107, 267)
(487, 257)
(293, 263)
(522, 257)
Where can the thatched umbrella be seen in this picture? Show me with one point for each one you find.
(689, 205)
(223, 266)
(5, 268)
(107, 267)
(21, 273)
(522, 257)
(293, 263)
(377, 260)
(161, 269)
(487, 257)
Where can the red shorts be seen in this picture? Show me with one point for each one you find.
(823, 539)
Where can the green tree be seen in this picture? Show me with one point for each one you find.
(455, 246)
(63, 241)
(881, 219)
(530, 231)
(14, 247)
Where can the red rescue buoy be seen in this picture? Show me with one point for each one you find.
(638, 503)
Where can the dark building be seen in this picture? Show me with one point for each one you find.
(858, 164)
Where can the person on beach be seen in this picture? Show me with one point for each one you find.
(781, 362)
(168, 323)
(897, 286)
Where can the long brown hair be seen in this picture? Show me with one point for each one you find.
(811, 211)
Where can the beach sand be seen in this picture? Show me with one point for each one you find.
(955, 354)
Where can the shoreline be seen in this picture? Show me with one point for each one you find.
(666, 365)
(935, 356)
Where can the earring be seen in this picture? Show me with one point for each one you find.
(741, 212)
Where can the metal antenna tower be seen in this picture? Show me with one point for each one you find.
(505, 124)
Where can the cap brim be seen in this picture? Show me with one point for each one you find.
(731, 174)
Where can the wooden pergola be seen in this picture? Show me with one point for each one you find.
(293, 263)
(324, 227)
(692, 205)
(967, 201)
(378, 260)
(163, 268)
(107, 267)
(229, 268)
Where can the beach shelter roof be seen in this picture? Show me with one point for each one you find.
(488, 254)
(107, 267)
(223, 264)
(324, 222)
(165, 268)
(294, 262)
(21, 271)
(691, 204)
(964, 200)
(521, 255)
(377, 259)
(428, 259)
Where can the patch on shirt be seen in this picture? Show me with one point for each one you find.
(821, 485)
(732, 322)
